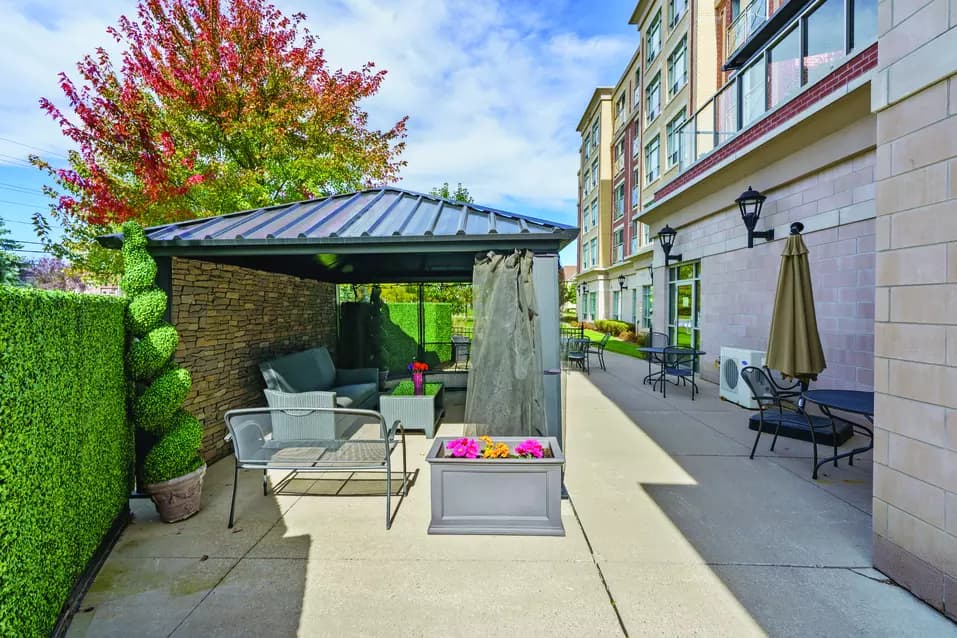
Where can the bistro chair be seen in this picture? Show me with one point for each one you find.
(776, 407)
(461, 350)
(678, 362)
(598, 348)
(655, 340)
(578, 350)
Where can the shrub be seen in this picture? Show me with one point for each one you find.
(149, 354)
(66, 447)
(146, 310)
(628, 336)
(175, 455)
(400, 333)
(157, 407)
(612, 326)
(587, 325)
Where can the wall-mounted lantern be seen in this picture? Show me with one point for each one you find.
(750, 203)
(621, 283)
(666, 237)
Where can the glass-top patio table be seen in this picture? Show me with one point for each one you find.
(656, 353)
(851, 402)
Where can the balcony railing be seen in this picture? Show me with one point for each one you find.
(710, 127)
(746, 23)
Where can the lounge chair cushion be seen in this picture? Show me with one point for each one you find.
(307, 371)
(357, 395)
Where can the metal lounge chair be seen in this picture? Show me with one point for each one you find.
(598, 348)
(578, 353)
(678, 362)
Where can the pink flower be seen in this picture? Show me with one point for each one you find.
(529, 448)
(463, 448)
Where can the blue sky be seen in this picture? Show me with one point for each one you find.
(494, 88)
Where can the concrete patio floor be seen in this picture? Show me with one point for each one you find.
(670, 531)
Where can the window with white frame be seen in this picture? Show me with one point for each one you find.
(586, 182)
(586, 255)
(585, 218)
(645, 234)
(653, 39)
(672, 137)
(615, 304)
(594, 174)
(594, 134)
(619, 244)
(594, 252)
(636, 143)
(619, 110)
(635, 187)
(651, 160)
(678, 66)
(676, 9)
(653, 97)
(619, 155)
(620, 200)
(586, 145)
(634, 237)
(636, 93)
(594, 213)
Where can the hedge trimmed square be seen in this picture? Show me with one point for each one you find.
(66, 447)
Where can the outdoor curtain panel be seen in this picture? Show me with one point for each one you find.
(506, 389)
(794, 346)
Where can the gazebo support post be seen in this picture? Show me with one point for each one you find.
(545, 277)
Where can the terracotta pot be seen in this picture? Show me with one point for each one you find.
(177, 499)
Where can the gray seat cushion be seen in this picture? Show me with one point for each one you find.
(357, 395)
(308, 371)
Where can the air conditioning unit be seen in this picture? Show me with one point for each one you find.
(732, 387)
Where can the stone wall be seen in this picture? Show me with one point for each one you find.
(229, 319)
(915, 450)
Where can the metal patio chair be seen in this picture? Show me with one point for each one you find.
(461, 350)
(678, 362)
(598, 348)
(578, 350)
(655, 340)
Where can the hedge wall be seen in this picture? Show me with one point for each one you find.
(400, 334)
(66, 448)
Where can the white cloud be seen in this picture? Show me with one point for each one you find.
(493, 88)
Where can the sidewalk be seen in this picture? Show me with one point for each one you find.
(671, 530)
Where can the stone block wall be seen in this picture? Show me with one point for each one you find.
(915, 451)
(738, 284)
(229, 319)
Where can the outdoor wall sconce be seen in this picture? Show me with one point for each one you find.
(666, 237)
(750, 203)
(651, 274)
(621, 282)
(584, 288)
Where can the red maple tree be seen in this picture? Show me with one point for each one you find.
(217, 106)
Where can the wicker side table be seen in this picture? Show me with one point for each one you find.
(417, 412)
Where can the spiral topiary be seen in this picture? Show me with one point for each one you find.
(161, 385)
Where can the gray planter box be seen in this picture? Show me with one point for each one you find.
(497, 496)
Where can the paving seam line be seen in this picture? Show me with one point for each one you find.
(601, 575)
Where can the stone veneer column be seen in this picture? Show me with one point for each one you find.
(915, 456)
(229, 319)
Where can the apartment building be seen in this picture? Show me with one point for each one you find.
(594, 204)
(860, 151)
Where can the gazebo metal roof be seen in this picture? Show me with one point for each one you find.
(383, 234)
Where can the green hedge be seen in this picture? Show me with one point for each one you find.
(66, 447)
(398, 341)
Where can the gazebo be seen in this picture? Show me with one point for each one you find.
(372, 236)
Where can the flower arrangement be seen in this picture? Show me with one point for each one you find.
(418, 366)
(466, 448)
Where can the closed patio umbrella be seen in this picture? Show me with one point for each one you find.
(794, 345)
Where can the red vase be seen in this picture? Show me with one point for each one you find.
(418, 382)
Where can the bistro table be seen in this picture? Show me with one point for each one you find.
(660, 351)
(851, 402)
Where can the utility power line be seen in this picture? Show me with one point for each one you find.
(15, 221)
(36, 148)
(25, 205)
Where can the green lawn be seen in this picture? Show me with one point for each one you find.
(616, 345)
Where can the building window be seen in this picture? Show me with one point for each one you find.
(615, 304)
(594, 251)
(653, 97)
(634, 237)
(672, 137)
(619, 244)
(784, 67)
(676, 9)
(585, 256)
(586, 182)
(594, 134)
(594, 174)
(594, 213)
(586, 146)
(593, 304)
(684, 307)
(678, 65)
(620, 156)
(651, 161)
(647, 301)
(620, 201)
(825, 33)
(753, 102)
(619, 110)
(864, 18)
(645, 234)
(635, 187)
(636, 93)
(653, 39)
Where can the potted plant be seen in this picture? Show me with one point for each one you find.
(170, 468)
(511, 486)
